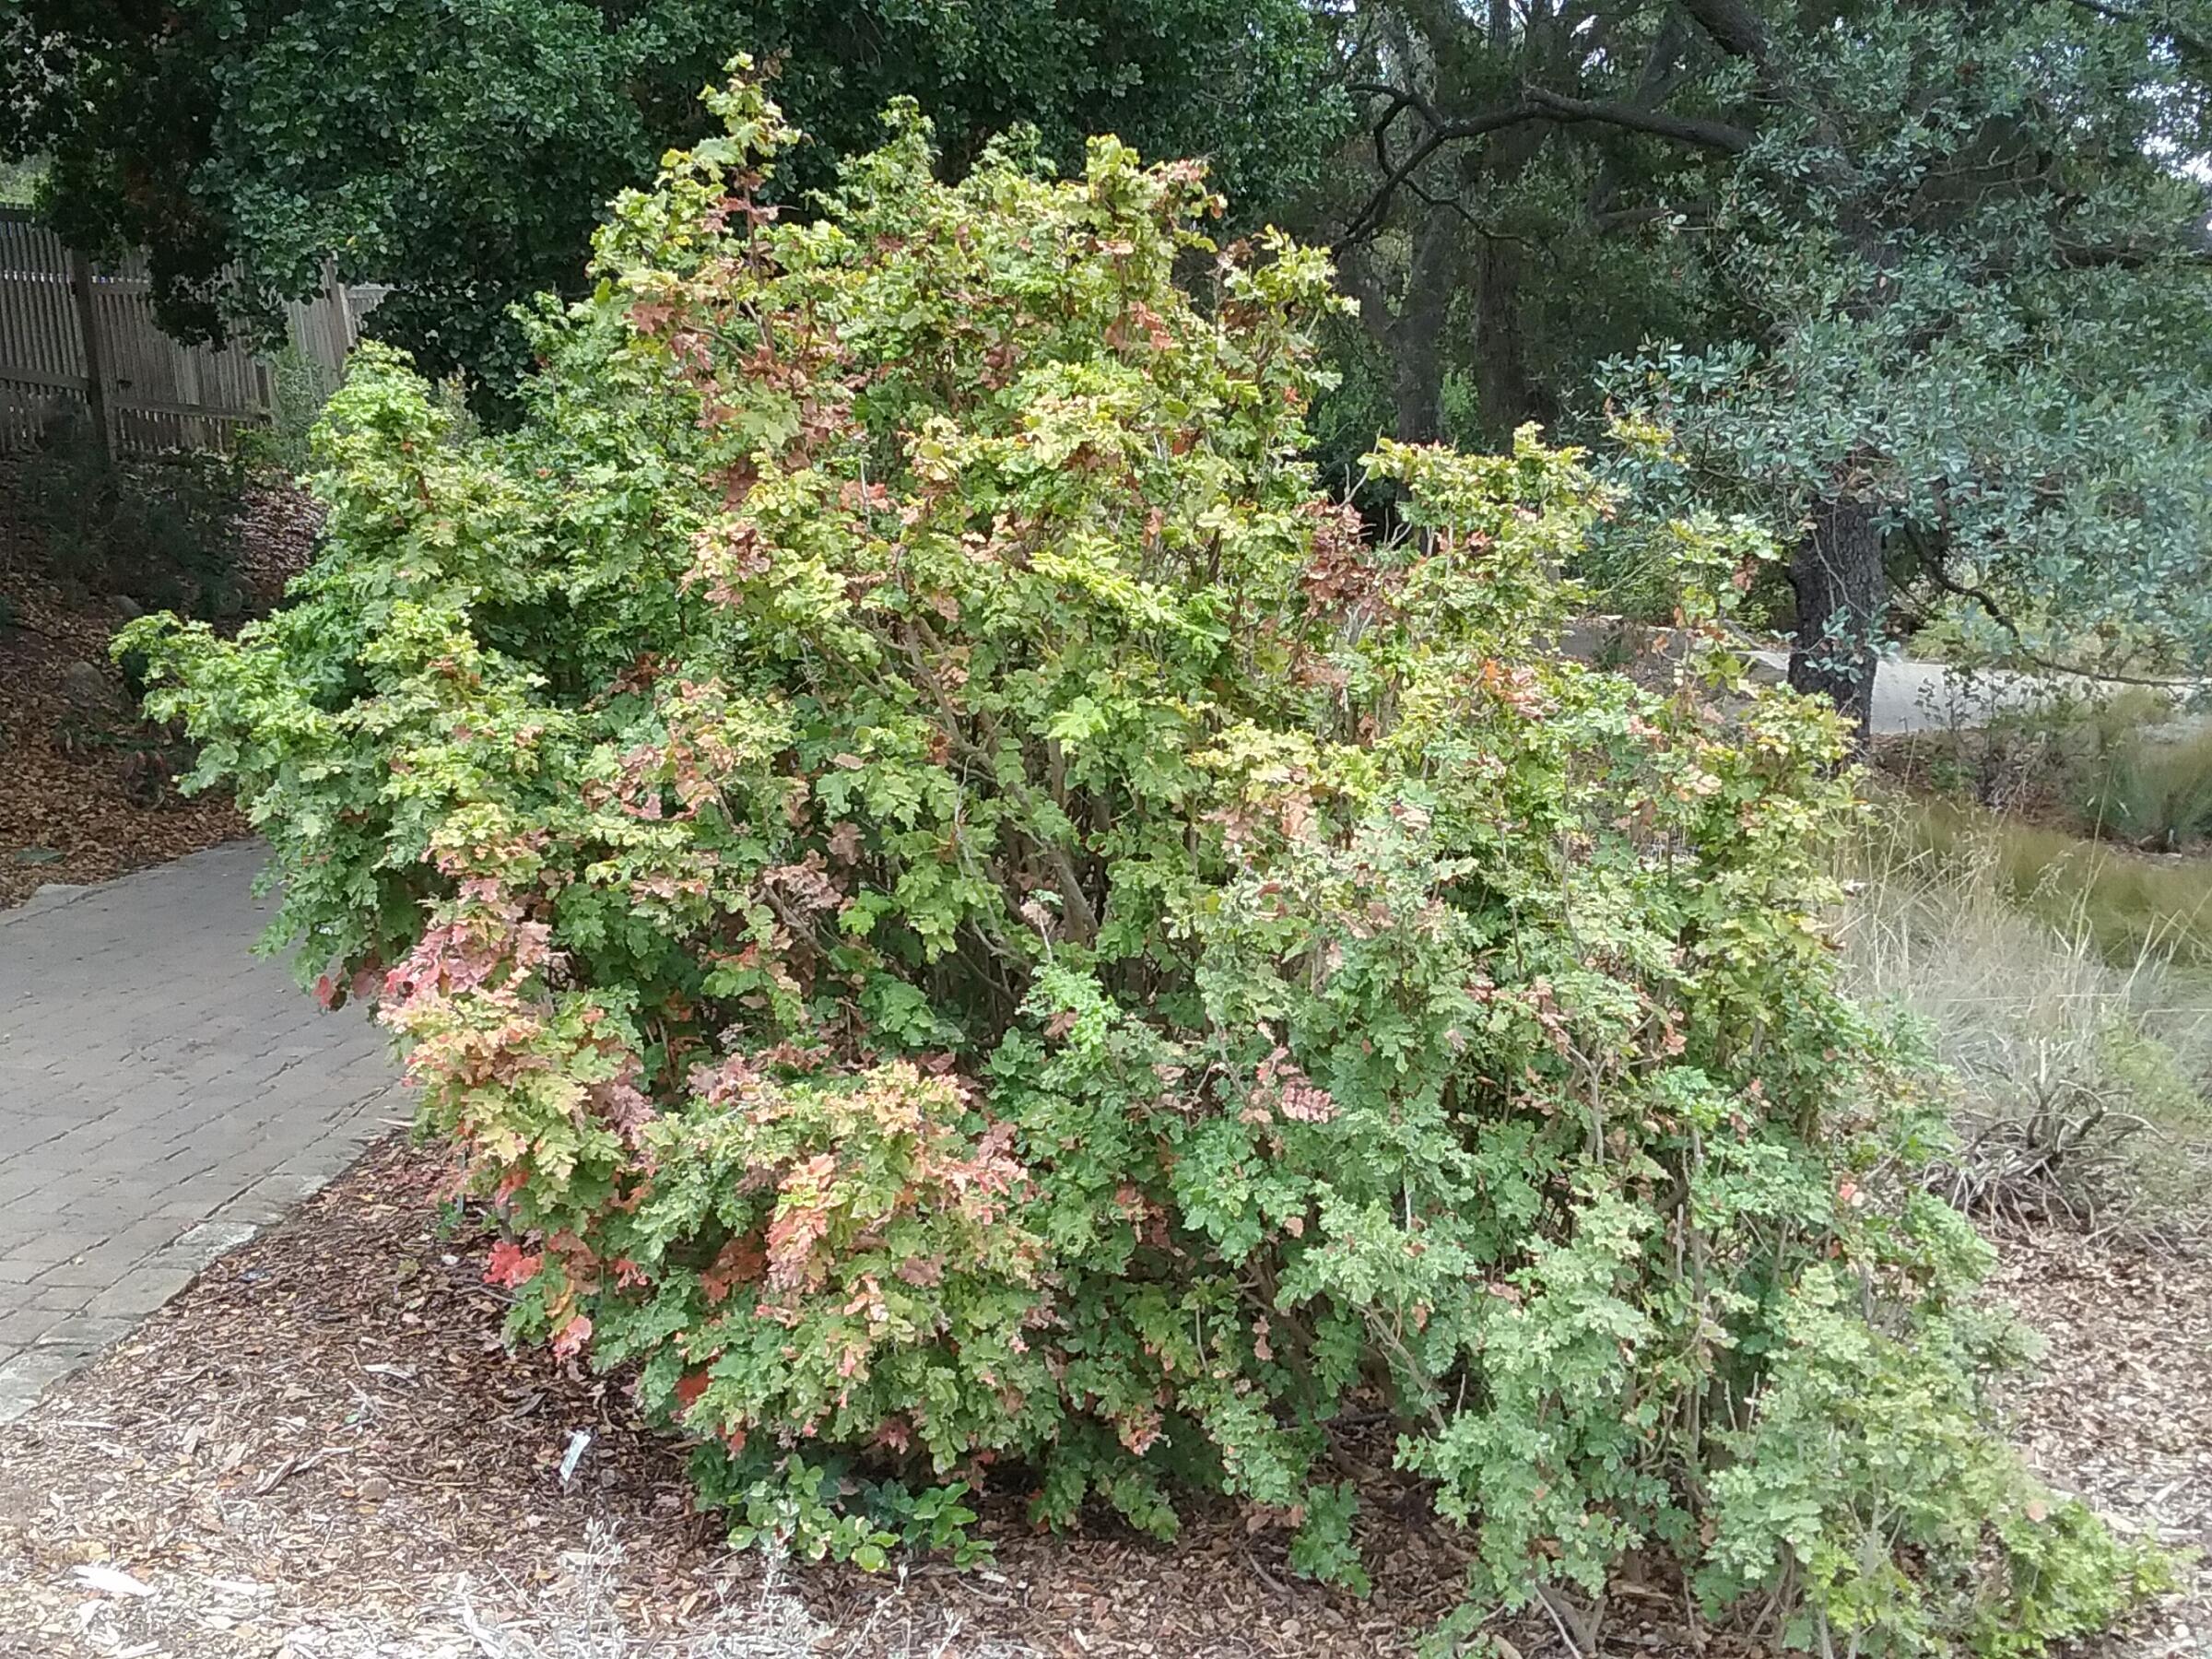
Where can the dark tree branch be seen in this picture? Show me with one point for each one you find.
(1483, 228)
(1400, 100)
(1735, 28)
(1677, 129)
(1537, 104)
(1368, 219)
(1656, 79)
(1931, 563)
(2129, 255)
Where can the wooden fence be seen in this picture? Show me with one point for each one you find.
(73, 333)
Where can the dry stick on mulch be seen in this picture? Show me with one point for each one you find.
(323, 1450)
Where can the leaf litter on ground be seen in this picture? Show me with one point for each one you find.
(89, 794)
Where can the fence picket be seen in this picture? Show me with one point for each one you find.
(159, 393)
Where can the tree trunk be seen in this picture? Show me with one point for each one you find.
(1502, 388)
(1417, 388)
(1417, 332)
(1842, 594)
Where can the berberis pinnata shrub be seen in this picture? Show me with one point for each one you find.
(972, 926)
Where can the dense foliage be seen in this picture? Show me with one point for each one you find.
(1925, 283)
(460, 150)
(967, 918)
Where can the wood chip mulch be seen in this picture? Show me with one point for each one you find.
(323, 1451)
(2120, 1412)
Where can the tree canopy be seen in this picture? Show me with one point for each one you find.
(1920, 283)
(1925, 284)
(463, 150)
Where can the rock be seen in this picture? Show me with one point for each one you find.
(125, 608)
(89, 691)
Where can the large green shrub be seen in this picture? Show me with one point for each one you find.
(966, 918)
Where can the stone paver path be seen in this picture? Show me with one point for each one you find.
(163, 1093)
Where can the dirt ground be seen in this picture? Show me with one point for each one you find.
(89, 790)
(88, 794)
(322, 1451)
(2120, 1413)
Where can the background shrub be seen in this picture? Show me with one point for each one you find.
(163, 533)
(967, 918)
(2153, 789)
(302, 386)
